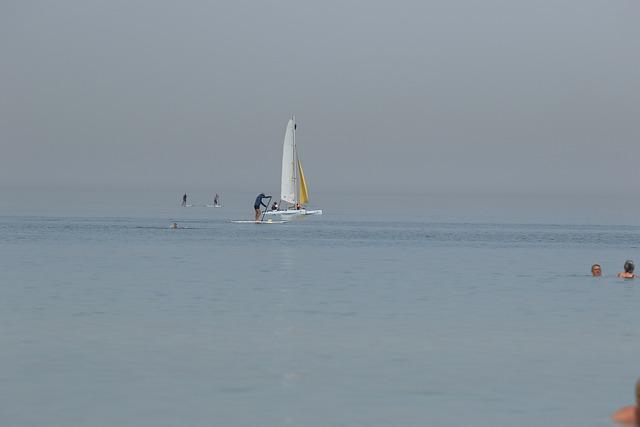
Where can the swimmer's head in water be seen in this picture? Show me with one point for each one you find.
(596, 270)
(628, 266)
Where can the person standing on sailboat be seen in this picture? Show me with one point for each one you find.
(258, 203)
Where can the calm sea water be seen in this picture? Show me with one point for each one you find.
(109, 319)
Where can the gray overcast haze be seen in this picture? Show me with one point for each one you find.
(413, 96)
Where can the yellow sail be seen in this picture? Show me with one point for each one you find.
(304, 196)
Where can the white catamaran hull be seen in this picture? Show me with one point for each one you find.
(292, 213)
(266, 221)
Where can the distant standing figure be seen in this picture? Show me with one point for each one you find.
(629, 415)
(596, 270)
(184, 200)
(216, 199)
(628, 270)
(258, 203)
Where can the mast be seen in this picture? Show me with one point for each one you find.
(296, 191)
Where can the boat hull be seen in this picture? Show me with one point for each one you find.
(267, 221)
(293, 213)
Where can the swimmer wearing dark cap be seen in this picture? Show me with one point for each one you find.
(628, 270)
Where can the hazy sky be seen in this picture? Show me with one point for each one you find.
(426, 96)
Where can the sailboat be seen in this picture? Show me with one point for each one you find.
(293, 186)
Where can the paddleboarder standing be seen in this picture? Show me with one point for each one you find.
(258, 203)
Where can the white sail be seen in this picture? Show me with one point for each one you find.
(288, 184)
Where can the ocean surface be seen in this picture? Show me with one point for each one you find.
(109, 318)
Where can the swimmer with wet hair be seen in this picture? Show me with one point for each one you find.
(628, 270)
(629, 415)
(596, 270)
